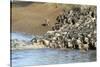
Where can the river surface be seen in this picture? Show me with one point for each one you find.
(45, 56)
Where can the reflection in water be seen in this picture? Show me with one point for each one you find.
(22, 58)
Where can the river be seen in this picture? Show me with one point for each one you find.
(45, 56)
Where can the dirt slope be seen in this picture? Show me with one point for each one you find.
(29, 18)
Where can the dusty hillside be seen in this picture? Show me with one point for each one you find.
(28, 18)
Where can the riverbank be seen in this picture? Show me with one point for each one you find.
(38, 48)
(28, 17)
(74, 28)
(25, 47)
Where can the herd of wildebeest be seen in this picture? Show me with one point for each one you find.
(74, 29)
